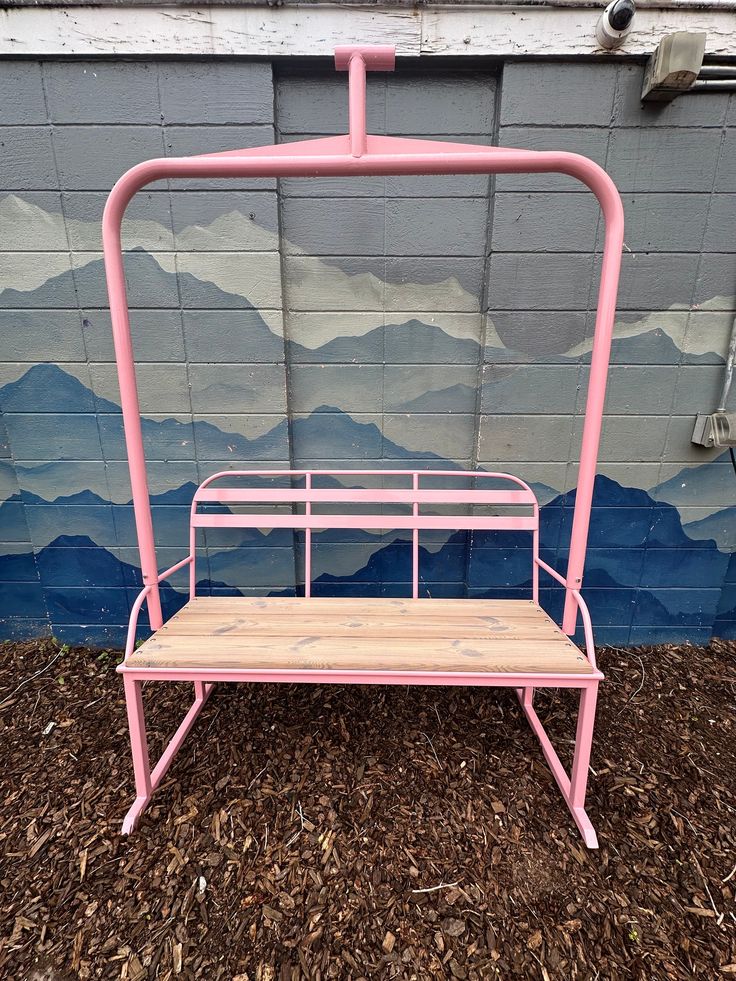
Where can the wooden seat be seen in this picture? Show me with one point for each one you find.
(475, 636)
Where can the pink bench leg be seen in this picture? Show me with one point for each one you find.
(146, 781)
(573, 788)
(139, 749)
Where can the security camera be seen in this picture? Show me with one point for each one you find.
(615, 23)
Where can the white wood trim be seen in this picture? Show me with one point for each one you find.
(488, 30)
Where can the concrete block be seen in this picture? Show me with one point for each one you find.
(41, 335)
(317, 104)
(47, 522)
(663, 222)
(443, 284)
(682, 567)
(440, 186)
(225, 220)
(336, 336)
(719, 236)
(706, 109)
(350, 388)
(528, 389)
(544, 223)
(726, 169)
(641, 159)
(241, 438)
(157, 335)
(654, 281)
(507, 439)
(514, 336)
(450, 437)
(418, 388)
(540, 281)
(91, 158)
(687, 607)
(161, 387)
(707, 336)
(150, 280)
(698, 389)
(22, 100)
(147, 222)
(641, 390)
(44, 388)
(238, 388)
(714, 284)
(216, 91)
(590, 141)
(231, 336)
(333, 438)
(39, 436)
(102, 92)
(32, 221)
(166, 438)
(627, 438)
(185, 141)
(38, 280)
(346, 227)
(679, 448)
(442, 338)
(350, 284)
(440, 105)
(571, 93)
(27, 159)
(229, 280)
(418, 226)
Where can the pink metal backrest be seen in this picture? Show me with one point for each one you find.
(354, 155)
(413, 495)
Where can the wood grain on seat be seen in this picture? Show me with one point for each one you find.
(479, 636)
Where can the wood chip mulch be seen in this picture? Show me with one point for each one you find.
(338, 832)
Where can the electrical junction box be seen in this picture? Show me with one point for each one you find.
(673, 67)
(716, 429)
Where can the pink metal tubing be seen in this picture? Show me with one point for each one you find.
(459, 474)
(572, 788)
(144, 594)
(383, 156)
(580, 604)
(356, 106)
(503, 522)
(364, 677)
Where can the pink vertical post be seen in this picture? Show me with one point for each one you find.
(138, 738)
(357, 94)
(583, 745)
(356, 60)
(535, 556)
(613, 243)
(115, 274)
(415, 544)
(308, 542)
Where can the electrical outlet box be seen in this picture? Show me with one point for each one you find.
(673, 67)
(716, 429)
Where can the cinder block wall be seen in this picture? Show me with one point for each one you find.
(389, 322)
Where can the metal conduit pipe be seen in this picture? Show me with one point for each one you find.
(712, 85)
(728, 376)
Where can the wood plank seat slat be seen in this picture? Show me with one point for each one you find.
(497, 637)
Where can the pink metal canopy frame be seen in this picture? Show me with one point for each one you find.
(358, 154)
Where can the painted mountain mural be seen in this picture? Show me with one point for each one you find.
(341, 362)
(647, 578)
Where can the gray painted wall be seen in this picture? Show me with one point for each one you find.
(380, 321)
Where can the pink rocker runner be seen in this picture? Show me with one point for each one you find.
(418, 641)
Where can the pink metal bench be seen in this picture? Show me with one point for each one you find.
(492, 643)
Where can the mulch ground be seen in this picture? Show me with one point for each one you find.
(338, 832)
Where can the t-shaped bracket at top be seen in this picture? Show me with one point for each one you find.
(356, 60)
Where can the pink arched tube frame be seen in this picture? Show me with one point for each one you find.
(334, 157)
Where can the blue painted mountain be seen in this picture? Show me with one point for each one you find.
(396, 343)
